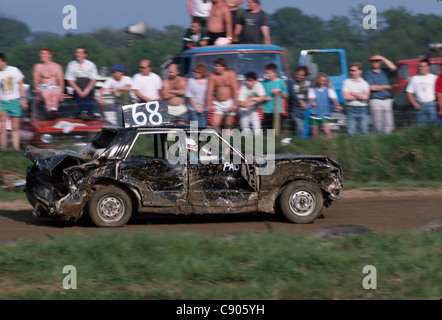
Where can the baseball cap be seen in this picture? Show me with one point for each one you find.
(118, 67)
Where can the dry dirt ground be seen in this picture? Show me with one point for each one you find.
(385, 211)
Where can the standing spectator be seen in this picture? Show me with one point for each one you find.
(276, 89)
(250, 97)
(146, 84)
(219, 24)
(48, 82)
(199, 10)
(298, 109)
(222, 94)
(439, 95)
(233, 6)
(253, 25)
(381, 103)
(421, 93)
(196, 93)
(12, 100)
(356, 92)
(195, 36)
(322, 98)
(174, 91)
(81, 75)
(119, 86)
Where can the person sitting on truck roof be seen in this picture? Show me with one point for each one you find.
(199, 10)
(195, 36)
(253, 25)
(219, 24)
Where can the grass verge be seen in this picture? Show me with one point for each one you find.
(266, 266)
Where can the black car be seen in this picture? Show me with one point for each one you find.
(175, 169)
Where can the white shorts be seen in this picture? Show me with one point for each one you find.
(223, 107)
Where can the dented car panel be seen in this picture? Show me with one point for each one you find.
(138, 162)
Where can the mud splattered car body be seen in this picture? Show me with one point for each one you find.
(142, 170)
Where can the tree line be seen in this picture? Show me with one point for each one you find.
(400, 34)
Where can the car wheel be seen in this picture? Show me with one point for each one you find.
(109, 207)
(301, 201)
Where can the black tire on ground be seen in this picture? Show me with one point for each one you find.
(301, 201)
(109, 207)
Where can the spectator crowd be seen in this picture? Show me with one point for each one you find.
(217, 96)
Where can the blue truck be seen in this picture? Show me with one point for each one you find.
(254, 57)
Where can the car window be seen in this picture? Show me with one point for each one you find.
(149, 145)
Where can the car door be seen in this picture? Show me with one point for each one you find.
(221, 186)
(160, 182)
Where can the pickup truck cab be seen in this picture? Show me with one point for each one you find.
(241, 58)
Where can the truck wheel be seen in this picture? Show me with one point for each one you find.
(301, 201)
(109, 207)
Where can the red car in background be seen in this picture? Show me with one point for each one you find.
(67, 130)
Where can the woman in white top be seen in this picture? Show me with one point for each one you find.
(196, 92)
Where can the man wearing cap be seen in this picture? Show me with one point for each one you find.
(81, 74)
(119, 86)
(381, 103)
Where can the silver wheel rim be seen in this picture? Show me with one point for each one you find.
(110, 209)
(302, 203)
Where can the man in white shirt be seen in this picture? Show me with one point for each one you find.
(119, 86)
(250, 97)
(147, 85)
(12, 100)
(356, 92)
(422, 95)
(81, 74)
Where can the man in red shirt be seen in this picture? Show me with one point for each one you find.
(439, 93)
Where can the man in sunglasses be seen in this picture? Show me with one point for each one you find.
(146, 84)
(381, 103)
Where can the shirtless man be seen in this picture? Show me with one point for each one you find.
(219, 24)
(48, 82)
(222, 86)
(174, 90)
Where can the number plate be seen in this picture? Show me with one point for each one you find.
(145, 114)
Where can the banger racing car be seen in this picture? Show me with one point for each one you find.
(149, 166)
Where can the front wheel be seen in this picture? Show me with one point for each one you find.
(301, 201)
(109, 207)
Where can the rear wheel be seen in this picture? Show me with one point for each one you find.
(109, 207)
(301, 201)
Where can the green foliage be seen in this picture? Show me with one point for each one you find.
(413, 153)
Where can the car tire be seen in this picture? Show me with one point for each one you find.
(109, 207)
(301, 201)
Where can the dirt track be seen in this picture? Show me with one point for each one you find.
(379, 211)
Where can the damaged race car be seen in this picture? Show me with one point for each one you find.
(149, 166)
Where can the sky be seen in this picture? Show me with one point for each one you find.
(91, 15)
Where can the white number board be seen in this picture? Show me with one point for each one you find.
(145, 114)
